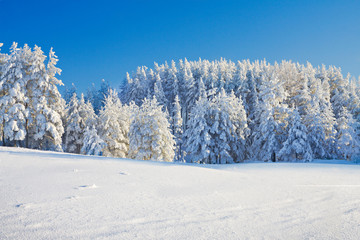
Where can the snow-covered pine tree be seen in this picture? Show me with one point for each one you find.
(228, 125)
(347, 139)
(251, 105)
(15, 118)
(338, 89)
(87, 112)
(296, 146)
(45, 102)
(12, 97)
(328, 119)
(75, 127)
(101, 95)
(150, 134)
(93, 144)
(114, 126)
(170, 85)
(158, 92)
(137, 85)
(270, 133)
(354, 99)
(237, 115)
(217, 130)
(316, 132)
(301, 99)
(320, 119)
(197, 136)
(187, 89)
(177, 129)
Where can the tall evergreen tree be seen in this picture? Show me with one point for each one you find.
(296, 146)
(159, 92)
(114, 126)
(93, 144)
(272, 115)
(47, 105)
(150, 134)
(347, 139)
(13, 99)
(197, 136)
(177, 129)
(217, 130)
(87, 113)
(75, 127)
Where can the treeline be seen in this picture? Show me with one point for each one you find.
(195, 111)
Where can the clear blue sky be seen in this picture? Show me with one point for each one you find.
(105, 39)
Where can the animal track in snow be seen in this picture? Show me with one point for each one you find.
(23, 205)
(86, 186)
(72, 198)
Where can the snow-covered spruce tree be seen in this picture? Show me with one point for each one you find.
(46, 105)
(217, 130)
(87, 112)
(316, 133)
(347, 139)
(93, 144)
(187, 89)
(150, 134)
(320, 119)
(296, 146)
(114, 126)
(338, 89)
(75, 127)
(12, 97)
(228, 129)
(177, 129)
(237, 115)
(328, 120)
(170, 85)
(197, 136)
(354, 100)
(137, 87)
(251, 105)
(158, 91)
(101, 95)
(301, 98)
(270, 133)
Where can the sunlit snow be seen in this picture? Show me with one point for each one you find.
(48, 195)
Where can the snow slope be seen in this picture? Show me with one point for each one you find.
(47, 195)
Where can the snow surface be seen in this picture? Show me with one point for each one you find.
(48, 195)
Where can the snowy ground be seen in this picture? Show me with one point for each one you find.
(45, 195)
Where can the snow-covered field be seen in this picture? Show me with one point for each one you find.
(46, 195)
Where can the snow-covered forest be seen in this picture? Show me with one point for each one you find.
(194, 111)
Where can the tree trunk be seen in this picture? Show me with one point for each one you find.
(27, 133)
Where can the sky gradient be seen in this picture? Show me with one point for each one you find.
(106, 39)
